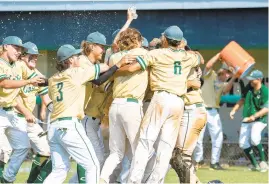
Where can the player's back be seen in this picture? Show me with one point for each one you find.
(170, 68)
(130, 86)
(67, 91)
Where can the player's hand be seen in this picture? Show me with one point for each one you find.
(36, 80)
(130, 14)
(249, 119)
(126, 60)
(232, 113)
(30, 118)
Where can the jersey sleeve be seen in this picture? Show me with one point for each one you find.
(43, 91)
(87, 73)
(147, 59)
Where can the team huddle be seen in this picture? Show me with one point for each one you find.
(146, 99)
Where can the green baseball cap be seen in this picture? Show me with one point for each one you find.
(173, 33)
(67, 51)
(145, 42)
(256, 74)
(12, 40)
(97, 38)
(31, 48)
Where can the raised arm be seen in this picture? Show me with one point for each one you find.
(211, 63)
(125, 26)
(229, 86)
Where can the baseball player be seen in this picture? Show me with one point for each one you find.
(255, 110)
(93, 49)
(214, 86)
(168, 75)
(125, 113)
(28, 99)
(193, 121)
(126, 163)
(66, 133)
(10, 82)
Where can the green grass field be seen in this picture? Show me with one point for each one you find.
(231, 175)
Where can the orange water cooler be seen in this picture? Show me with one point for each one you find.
(235, 56)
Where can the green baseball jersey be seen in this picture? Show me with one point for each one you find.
(255, 101)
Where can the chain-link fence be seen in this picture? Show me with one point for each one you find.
(232, 154)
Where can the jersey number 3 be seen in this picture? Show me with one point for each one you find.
(177, 68)
(60, 87)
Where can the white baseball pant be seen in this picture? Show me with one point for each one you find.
(93, 131)
(162, 117)
(5, 148)
(67, 137)
(125, 117)
(193, 121)
(16, 133)
(250, 134)
(214, 127)
(39, 144)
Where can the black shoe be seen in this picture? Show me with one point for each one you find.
(216, 166)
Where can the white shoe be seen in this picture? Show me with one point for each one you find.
(263, 166)
(252, 168)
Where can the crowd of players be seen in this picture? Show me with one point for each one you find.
(91, 101)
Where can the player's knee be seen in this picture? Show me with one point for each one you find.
(255, 140)
(243, 145)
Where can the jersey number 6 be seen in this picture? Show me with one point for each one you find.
(60, 87)
(177, 68)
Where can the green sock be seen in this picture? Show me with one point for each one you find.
(261, 152)
(81, 174)
(37, 163)
(45, 171)
(2, 167)
(250, 154)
